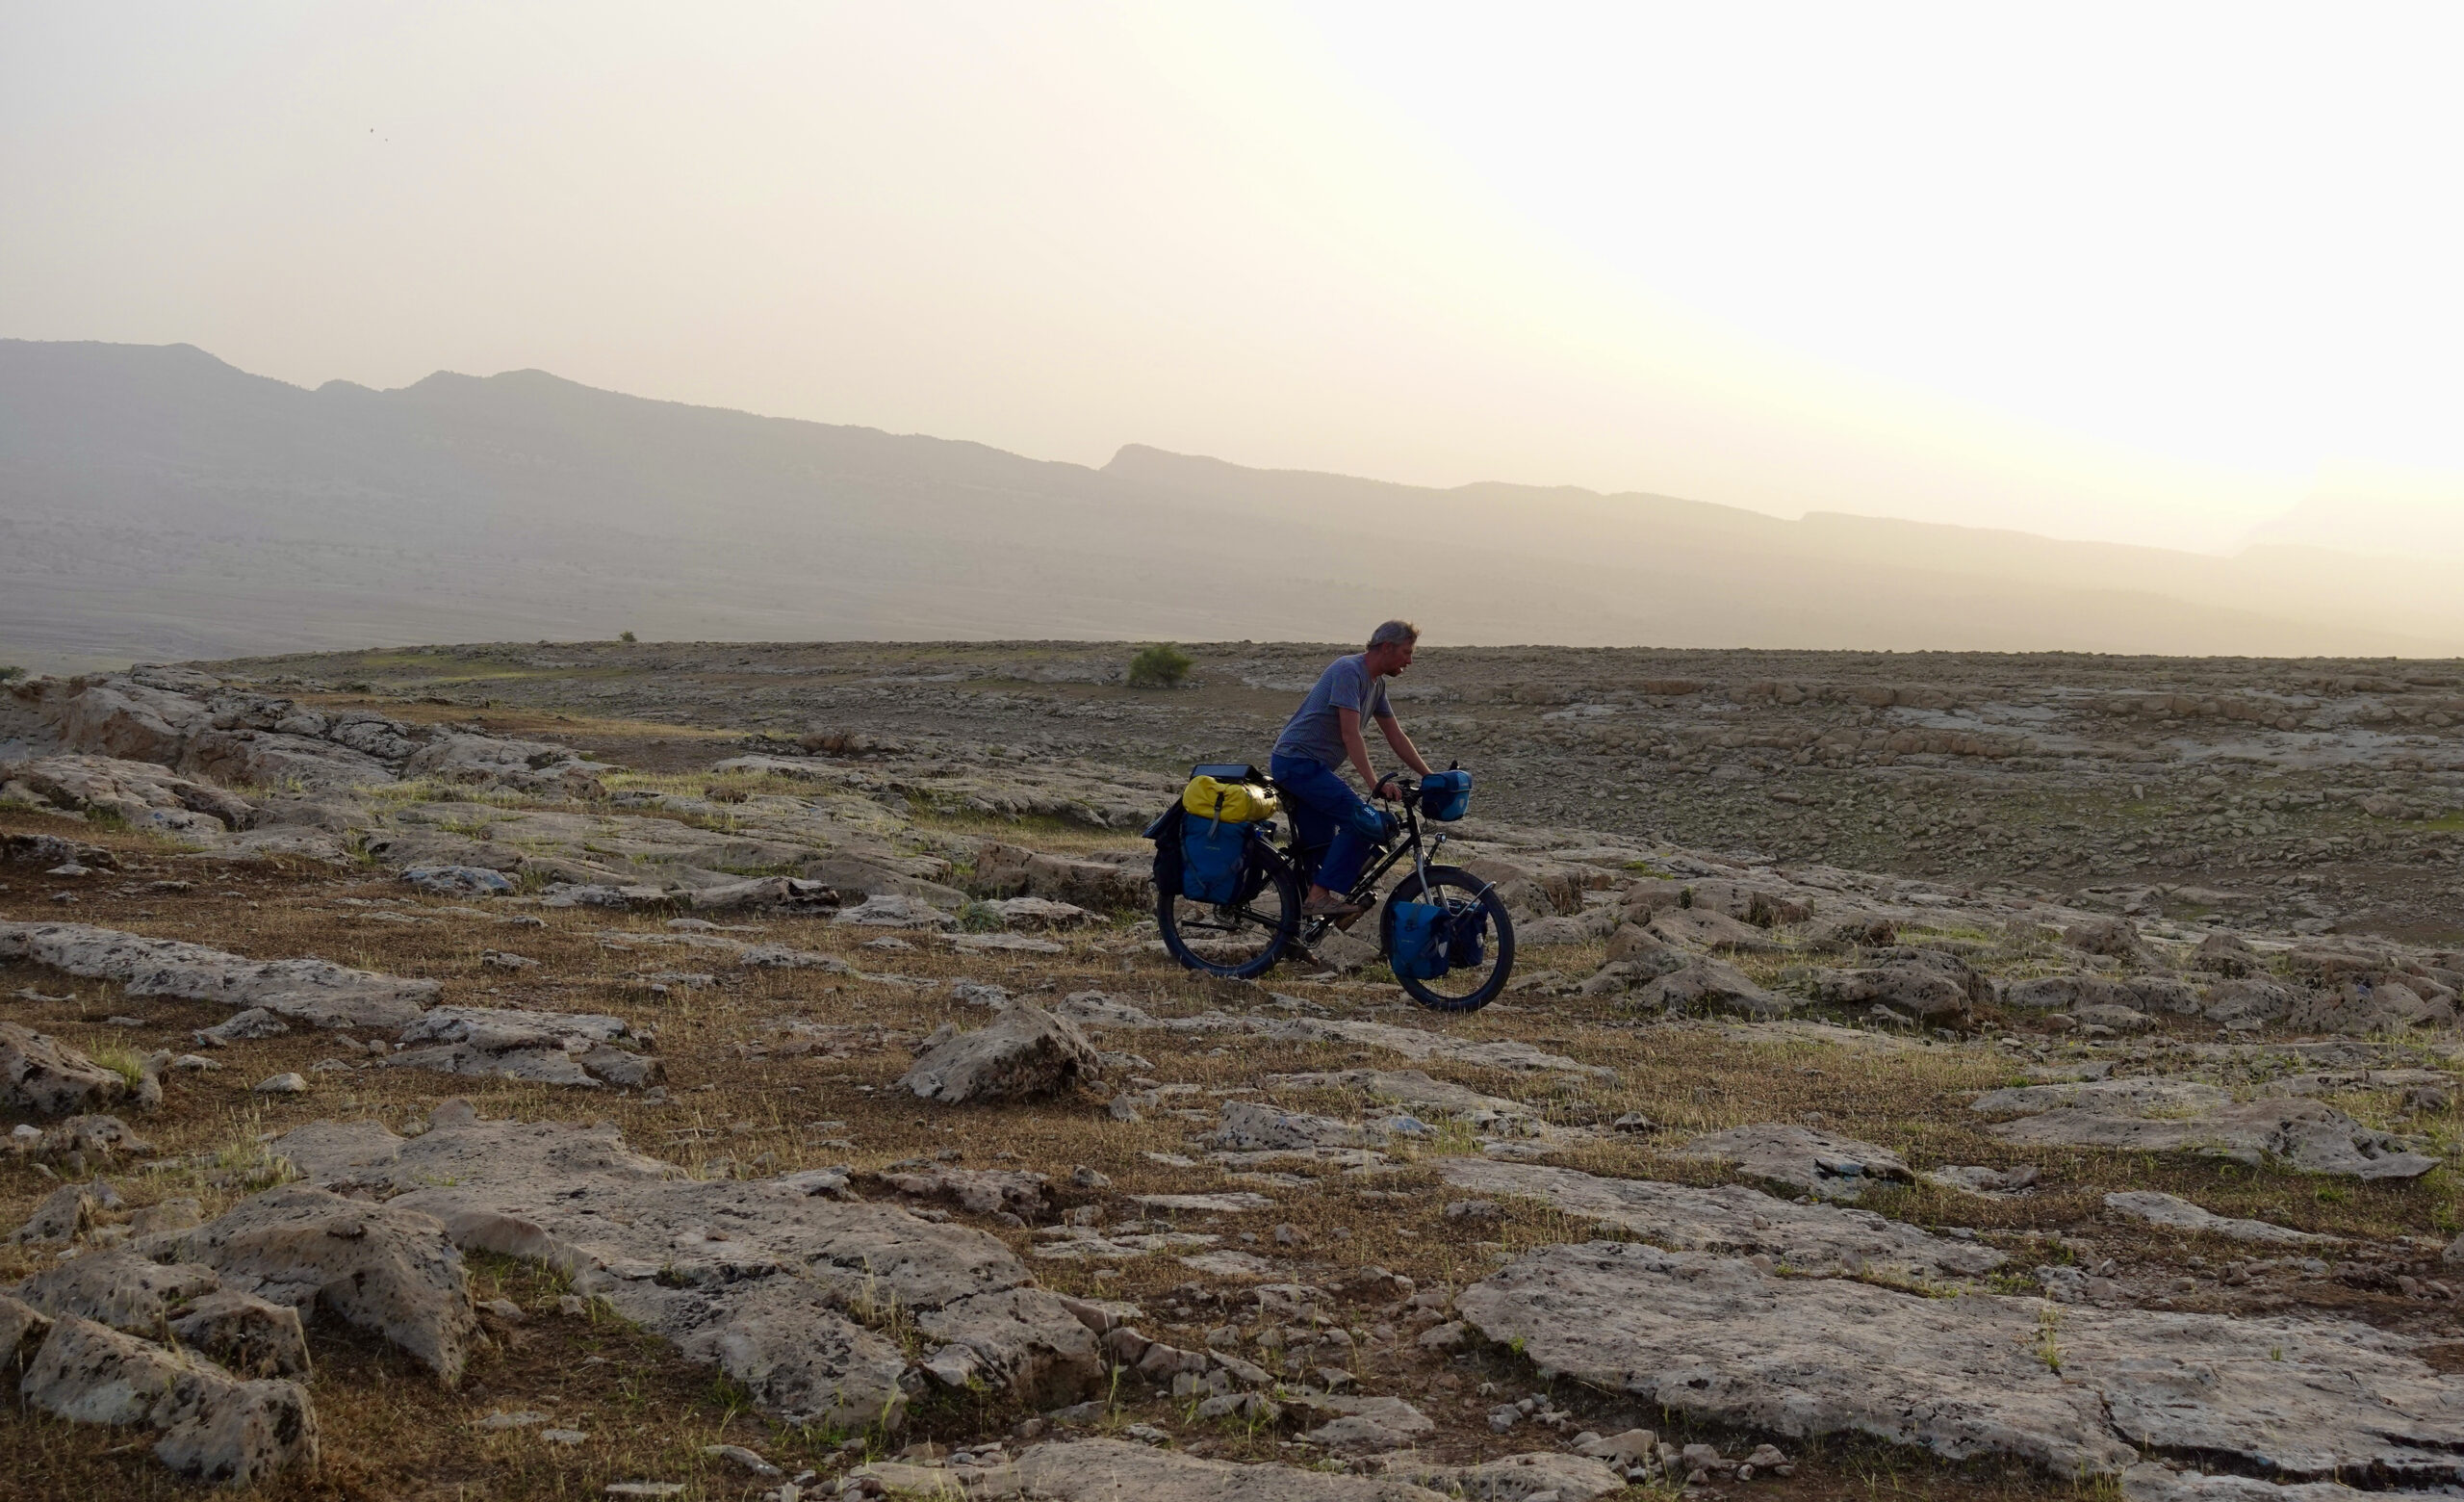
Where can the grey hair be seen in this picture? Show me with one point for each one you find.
(1393, 634)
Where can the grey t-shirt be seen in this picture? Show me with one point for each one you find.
(1314, 731)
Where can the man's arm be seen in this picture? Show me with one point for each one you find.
(1349, 721)
(1403, 744)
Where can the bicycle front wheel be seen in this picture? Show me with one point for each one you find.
(1465, 987)
(1238, 940)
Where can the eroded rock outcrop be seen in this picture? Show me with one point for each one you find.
(2149, 1115)
(1733, 1218)
(1823, 1165)
(316, 991)
(213, 1426)
(388, 1268)
(777, 1282)
(2077, 1391)
(546, 1048)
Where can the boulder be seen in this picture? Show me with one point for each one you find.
(896, 910)
(213, 1426)
(1634, 942)
(316, 991)
(1256, 1127)
(1701, 928)
(22, 1329)
(2079, 1393)
(1925, 983)
(509, 1043)
(83, 1138)
(1365, 1425)
(43, 1076)
(2387, 1004)
(386, 1268)
(118, 1288)
(1704, 984)
(459, 881)
(1818, 1163)
(2254, 999)
(1590, 924)
(241, 1027)
(1104, 886)
(1026, 1053)
(254, 1336)
(1851, 931)
(62, 1215)
(2227, 954)
(2115, 937)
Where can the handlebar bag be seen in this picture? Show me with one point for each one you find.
(1444, 796)
(1419, 943)
(1212, 853)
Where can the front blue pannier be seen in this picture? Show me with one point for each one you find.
(1418, 941)
(1212, 853)
(1467, 937)
(1446, 795)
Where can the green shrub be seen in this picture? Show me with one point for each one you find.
(9, 671)
(627, 636)
(1162, 665)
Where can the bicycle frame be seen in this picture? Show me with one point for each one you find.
(1365, 888)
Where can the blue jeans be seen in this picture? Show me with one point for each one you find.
(1328, 815)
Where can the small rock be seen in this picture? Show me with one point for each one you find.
(524, 1419)
(283, 1084)
(738, 1454)
(567, 1436)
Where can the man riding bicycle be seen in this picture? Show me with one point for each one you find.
(1325, 733)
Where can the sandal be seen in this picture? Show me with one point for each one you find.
(1331, 907)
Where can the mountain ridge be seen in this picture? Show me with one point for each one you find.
(156, 501)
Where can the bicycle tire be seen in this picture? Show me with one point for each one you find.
(1280, 927)
(1456, 887)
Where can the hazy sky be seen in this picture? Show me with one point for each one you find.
(2134, 272)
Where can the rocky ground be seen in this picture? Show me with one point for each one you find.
(723, 1070)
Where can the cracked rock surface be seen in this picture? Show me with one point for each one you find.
(2080, 1392)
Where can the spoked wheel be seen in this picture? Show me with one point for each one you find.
(1240, 940)
(1465, 987)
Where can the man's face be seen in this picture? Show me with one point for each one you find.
(1393, 658)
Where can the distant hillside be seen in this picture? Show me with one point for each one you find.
(157, 503)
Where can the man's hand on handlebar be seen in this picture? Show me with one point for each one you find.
(1389, 788)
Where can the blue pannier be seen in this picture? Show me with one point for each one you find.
(1418, 941)
(1446, 795)
(1467, 937)
(1213, 851)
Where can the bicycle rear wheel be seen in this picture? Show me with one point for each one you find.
(1463, 988)
(1238, 940)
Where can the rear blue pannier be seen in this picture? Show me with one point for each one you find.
(1212, 853)
(1418, 941)
(1446, 795)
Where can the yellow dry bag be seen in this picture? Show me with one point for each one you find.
(1231, 802)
